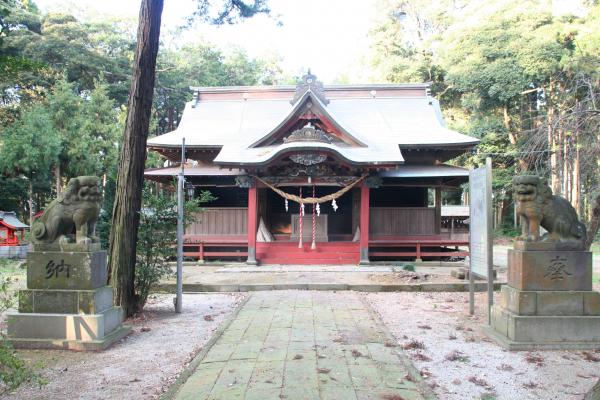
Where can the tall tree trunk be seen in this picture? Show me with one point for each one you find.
(512, 137)
(594, 224)
(130, 177)
(576, 180)
(58, 178)
(554, 180)
(171, 117)
(30, 201)
(566, 170)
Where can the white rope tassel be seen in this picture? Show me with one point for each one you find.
(301, 215)
(334, 205)
(313, 246)
(287, 206)
(318, 209)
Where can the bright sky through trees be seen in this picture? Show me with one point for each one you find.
(327, 36)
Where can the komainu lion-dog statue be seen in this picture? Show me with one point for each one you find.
(537, 206)
(74, 211)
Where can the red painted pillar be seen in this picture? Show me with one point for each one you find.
(364, 224)
(252, 220)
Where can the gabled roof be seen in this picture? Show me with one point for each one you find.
(278, 142)
(315, 104)
(9, 219)
(377, 153)
(402, 115)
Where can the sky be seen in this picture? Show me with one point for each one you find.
(327, 36)
(331, 37)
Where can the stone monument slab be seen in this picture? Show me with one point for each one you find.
(66, 270)
(550, 270)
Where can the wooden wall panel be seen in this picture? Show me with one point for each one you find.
(220, 221)
(390, 221)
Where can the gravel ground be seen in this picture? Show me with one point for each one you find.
(140, 366)
(460, 362)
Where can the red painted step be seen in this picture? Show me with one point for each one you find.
(325, 253)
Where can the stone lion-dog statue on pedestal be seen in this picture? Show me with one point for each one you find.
(74, 211)
(537, 206)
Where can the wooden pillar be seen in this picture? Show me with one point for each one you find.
(364, 224)
(252, 224)
(438, 209)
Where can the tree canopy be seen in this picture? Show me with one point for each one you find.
(72, 76)
(522, 79)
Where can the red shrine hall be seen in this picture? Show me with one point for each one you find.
(314, 174)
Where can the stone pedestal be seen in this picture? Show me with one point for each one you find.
(548, 302)
(67, 304)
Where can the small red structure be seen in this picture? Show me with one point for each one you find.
(11, 229)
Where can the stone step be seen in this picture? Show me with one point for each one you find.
(547, 331)
(64, 326)
(65, 301)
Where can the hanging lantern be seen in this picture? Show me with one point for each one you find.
(334, 205)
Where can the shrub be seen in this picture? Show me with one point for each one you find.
(156, 235)
(13, 371)
(408, 267)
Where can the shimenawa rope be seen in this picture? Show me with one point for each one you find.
(311, 200)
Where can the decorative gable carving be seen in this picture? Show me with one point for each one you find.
(307, 134)
(310, 82)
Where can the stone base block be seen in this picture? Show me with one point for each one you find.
(550, 303)
(76, 345)
(64, 326)
(66, 270)
(520, 332)
(65, 301)
(550, 270)
(548, 246)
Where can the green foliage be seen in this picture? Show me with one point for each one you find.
(200, 64)
(408, 267)
(507, 230)
(156, 236)
(13, 370)
(88, 128)
(511, 74)
(30, 146)
(227, 11)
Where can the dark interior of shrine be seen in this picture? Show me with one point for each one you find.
(341, 224)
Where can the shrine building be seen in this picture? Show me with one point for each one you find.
(314, 174)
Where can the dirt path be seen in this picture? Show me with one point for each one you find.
(461, 363)
(143, 364)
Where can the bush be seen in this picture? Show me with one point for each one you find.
(13, 371)
(507, 230)
(408, 267)
(156, 235)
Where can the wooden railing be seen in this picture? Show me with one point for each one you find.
(393, 221)
(218, 232)
(222, 221)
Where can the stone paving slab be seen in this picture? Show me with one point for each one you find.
(304, 345)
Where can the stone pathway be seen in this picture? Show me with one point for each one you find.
(303, 345)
